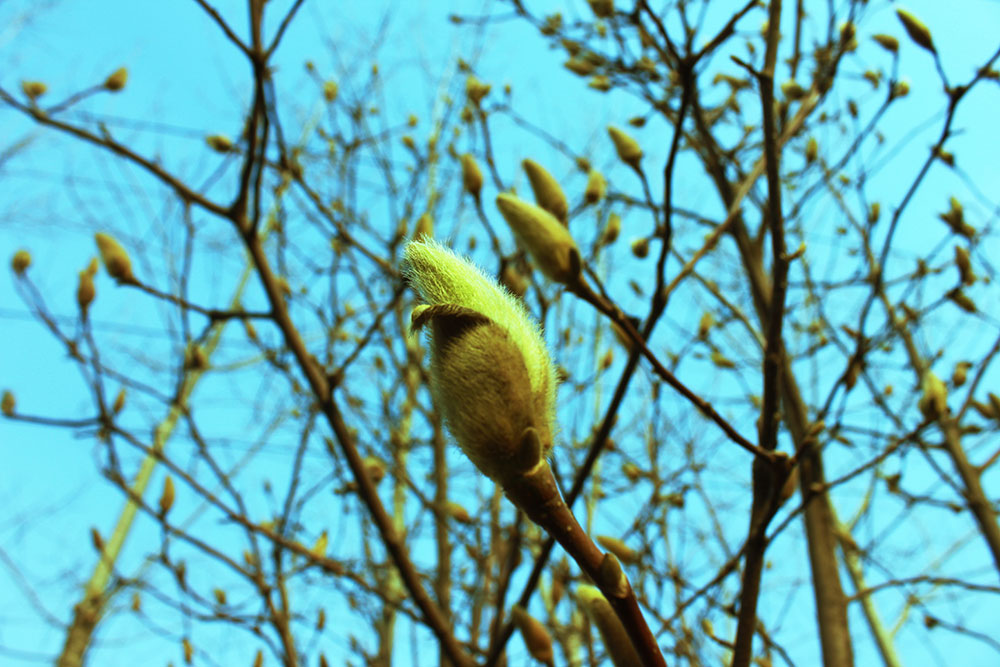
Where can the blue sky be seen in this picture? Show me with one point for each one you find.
(186, 82)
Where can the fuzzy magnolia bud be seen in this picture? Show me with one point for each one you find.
(917, 31)
(119, 402)
(622, 551)
(116, 80)
(330, 90)
(476, 90)
(612, 229)
(8, 403)
(33, 89)
(597, 187)
(472, 177)
(167, 496)
(548, 242)
(548, 194)
(512, 279)
(602, 8)
(319, 547)
(934, 401)
(457, 512)
(219, 143)
(640, 248)
(116, 260)
(375, 467)
(616, 641)
(535, 636)
(812, 150)
(705, 324)
(628, 149)
(491, 375)
(20, 261)
(424, 227)
(887, 42)
(960, 374)
(964, 264)
(85, 291)
(580, 66)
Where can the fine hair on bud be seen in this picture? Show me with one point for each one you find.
(545, 238)
(491, 376)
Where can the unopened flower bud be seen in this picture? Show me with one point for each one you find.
(792, 90)
(116, 260)
(548, 194)
(319, 547)
(640, 248)
(33, 89)
(330, 90)
(219, 143)
(812, 150)
(116, 80)
(20, 261)
(631, 471)
(375, 468)
(491, 376)
(916, 29)
(512, 279)
(85, 291)
(548, 241)
(457, 512)
(960, 374)
(167, 496)
(8, 403)
(580, 66)
(600, 82)
(874, 212)
(934, 400)
(616, 640)
(628, 149)
(424, 227)
(535, 636)
(964, 264)
(476, 90)
(622, 551)
(119, 402)
(597, 187)
(887, 42)
(472, 177)
(612, 229)
(705, 324)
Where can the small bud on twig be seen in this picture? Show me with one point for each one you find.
(116, 80)
(116, 260)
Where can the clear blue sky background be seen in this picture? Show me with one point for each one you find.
(185, 81)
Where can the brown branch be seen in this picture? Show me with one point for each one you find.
(768, 477)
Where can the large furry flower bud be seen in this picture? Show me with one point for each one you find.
(491, 376)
